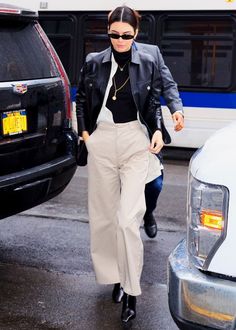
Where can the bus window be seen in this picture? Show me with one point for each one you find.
(61, 29)
(95, 33)
(198, 50)
(146, 30)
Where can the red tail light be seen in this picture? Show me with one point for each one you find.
(60, 69)
(12, 11)
(9, 11)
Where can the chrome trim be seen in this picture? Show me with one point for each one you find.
(196, 297)
(9, 141)
(223, 235)
(37, 171)
(35, 82)
(33, 184)
(20, 89)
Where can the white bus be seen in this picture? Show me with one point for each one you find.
(197, 39)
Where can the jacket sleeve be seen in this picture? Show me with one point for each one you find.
(155, 112)
(81, 105)
(169, 86)
(153, 115)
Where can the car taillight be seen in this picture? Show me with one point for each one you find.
(207, 217)
(61, 70)
(212, 219)
(10, 11)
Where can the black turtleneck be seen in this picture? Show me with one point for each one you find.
(121, 58)
(123, 108)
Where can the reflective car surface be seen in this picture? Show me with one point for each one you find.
(37, 144)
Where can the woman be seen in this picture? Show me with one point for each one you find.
(117, 108)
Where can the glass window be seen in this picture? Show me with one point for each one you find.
(191, 27)
(95, 45)
(95, 28)
(60, 31)
(146, 29)
(95, 25)
(95, 33)
(21, 50)
(62, 46)
(199, 53)
(57, 26)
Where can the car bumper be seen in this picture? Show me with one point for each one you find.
(198, 300)
(25, 189)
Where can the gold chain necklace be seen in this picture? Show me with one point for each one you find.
(118, 89)
(122, 67)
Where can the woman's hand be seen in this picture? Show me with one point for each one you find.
(156, 143)
(178, 120)
(85, 135)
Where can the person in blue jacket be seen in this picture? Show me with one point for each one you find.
(173, 101)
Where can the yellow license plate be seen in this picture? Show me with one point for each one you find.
(14, 122)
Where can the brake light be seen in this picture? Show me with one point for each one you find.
(60, 68)
(212, 219)
(9, 11)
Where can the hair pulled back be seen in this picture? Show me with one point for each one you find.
(124, 14)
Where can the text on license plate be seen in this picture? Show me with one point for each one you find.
(14, 122)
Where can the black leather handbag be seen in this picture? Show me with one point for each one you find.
(82, 154)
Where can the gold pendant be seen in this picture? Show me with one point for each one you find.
(113, 97)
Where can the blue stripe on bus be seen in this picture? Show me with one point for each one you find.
(198, 99)
(208, 100)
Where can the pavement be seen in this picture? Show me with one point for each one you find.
(46, 275)
(47, 280)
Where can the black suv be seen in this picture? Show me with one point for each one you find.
(37, 144)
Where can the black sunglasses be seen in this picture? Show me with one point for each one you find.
(123, 36)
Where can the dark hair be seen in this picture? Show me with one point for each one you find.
(124, 14)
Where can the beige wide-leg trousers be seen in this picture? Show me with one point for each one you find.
(117, 169)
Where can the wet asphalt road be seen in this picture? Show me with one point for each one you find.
(46, 275)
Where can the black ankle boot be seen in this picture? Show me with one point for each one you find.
(129, 308)
(117, 293)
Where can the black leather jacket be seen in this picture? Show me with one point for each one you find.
(146, 86)
(169, 87)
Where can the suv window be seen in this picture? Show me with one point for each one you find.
(23, 54)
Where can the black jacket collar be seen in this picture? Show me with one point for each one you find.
(135, 58)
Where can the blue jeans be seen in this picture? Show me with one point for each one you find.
(152, 191)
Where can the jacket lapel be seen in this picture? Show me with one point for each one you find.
(133, 73)
(105, 71)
